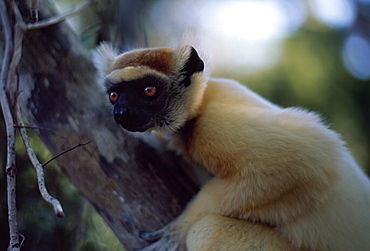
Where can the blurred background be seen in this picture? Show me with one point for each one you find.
(307, 53)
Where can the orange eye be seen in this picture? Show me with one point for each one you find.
(113, 96)
(150, 91)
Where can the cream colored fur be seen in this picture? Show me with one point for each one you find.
(216, 232)
(280, 167)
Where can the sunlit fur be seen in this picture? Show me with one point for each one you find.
(279, 167)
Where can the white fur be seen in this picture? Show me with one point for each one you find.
(103, 58)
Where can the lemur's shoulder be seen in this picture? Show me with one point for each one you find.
(231, 92)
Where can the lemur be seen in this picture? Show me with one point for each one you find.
(278, 172)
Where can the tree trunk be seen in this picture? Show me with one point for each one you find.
(133, 186)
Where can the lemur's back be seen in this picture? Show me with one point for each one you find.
(287, 168)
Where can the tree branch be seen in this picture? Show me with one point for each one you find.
(17, 52)
(39, 170)
(60, 18)
(10, 168)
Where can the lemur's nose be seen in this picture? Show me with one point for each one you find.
(119, 113)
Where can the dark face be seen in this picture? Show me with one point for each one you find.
(140, 104)
(154, 100)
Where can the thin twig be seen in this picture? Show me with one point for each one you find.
(8, 118)
(70, 149)
(41, 129)
(60, 18)
(39, 170)
(23, 239)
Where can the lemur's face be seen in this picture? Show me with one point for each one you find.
(141, 104)
(153, 89)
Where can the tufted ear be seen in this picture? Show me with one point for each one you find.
(187, 60)
(193, 65)
(103, 58)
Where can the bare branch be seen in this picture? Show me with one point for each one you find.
(60, 18)
(39, 170)
(17, 53)
(8, 118)
(60, 154)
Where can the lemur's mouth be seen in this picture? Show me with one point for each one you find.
(132, 126)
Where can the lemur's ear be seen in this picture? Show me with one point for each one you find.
(103, 58)
(194, 64)
(187, 60)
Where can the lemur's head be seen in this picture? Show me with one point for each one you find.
(158, 88)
